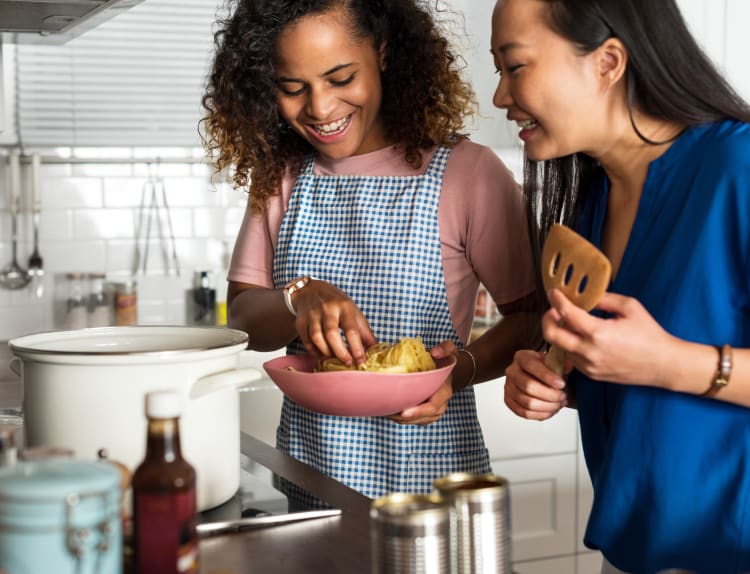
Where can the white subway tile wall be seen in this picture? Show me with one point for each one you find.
(89, 220)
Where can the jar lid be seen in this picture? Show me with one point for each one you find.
(56, 478)
(58, 493)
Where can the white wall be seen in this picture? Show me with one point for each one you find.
(473, 36)
(88, 223)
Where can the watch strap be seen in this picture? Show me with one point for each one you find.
(292, 287)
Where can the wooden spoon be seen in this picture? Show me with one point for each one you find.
(578, 269)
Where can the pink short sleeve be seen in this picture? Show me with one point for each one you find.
(484, 233)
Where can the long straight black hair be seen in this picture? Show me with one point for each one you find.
(668, 77)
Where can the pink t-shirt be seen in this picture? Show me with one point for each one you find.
(481, 216)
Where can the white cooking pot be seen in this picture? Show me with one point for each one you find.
(85, 389)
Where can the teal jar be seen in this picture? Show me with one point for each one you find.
(60, 516)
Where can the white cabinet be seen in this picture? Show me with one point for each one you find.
(549, 486)
(260, 404)
(509, 436)
(543, 505)
(7, 96)
(2, 89)
(720, 26)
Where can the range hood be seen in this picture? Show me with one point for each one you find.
(55, 21)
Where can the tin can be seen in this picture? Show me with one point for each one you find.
(410, 534)
(480, 517)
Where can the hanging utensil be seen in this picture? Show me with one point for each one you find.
(14, 276)
(36, 269)
(152, 194)
(578, 269)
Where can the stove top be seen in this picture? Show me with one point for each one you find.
(256, 496)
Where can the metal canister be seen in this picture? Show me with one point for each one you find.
(410, 534)
(480, 515)
(60, 516)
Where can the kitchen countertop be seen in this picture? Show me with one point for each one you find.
(339, 545)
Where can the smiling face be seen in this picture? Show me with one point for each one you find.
(329, 87)
(559, 97)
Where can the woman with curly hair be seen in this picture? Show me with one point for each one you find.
(370, 218)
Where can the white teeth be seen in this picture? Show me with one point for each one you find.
(525, 124)
(333, 127)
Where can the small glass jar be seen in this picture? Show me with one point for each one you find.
(76, 308)
(98, 302)
(126, 302)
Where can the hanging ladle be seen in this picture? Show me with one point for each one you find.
(14, 276)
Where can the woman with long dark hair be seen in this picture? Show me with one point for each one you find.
(636, 141)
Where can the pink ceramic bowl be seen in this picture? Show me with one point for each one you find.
(354, 393)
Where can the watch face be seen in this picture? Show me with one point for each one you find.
(297, 284)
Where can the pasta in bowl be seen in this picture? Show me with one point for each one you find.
(384, 387)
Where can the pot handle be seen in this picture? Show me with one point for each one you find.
(236, 378)
(15, 366)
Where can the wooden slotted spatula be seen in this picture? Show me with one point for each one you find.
(578, 269)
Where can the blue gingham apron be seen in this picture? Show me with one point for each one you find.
(377, 239)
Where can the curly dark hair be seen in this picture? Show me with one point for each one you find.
(425, 99)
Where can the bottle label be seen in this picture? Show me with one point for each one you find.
(166, 538)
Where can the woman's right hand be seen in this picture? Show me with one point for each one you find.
(532, 391)
(323, 312)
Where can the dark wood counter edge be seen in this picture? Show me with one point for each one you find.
(316, 483)
(339, 545)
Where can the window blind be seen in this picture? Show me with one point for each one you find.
(136, 80)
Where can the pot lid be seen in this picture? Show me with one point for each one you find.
(133, 340)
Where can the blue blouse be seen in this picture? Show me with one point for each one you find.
(671, 471)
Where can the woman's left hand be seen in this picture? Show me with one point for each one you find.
(433, 408)
(629, 347)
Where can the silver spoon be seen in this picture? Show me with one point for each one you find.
(14, 276)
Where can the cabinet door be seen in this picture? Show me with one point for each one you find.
(2, 90)
(565, 565)
(509, 436)
(543, 505)
(737, 45)
(585, 499)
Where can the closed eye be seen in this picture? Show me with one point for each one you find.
(286, 88)
(345, 81)
(510, 69)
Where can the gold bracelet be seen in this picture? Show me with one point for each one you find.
(474, 366)
(723, 371)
